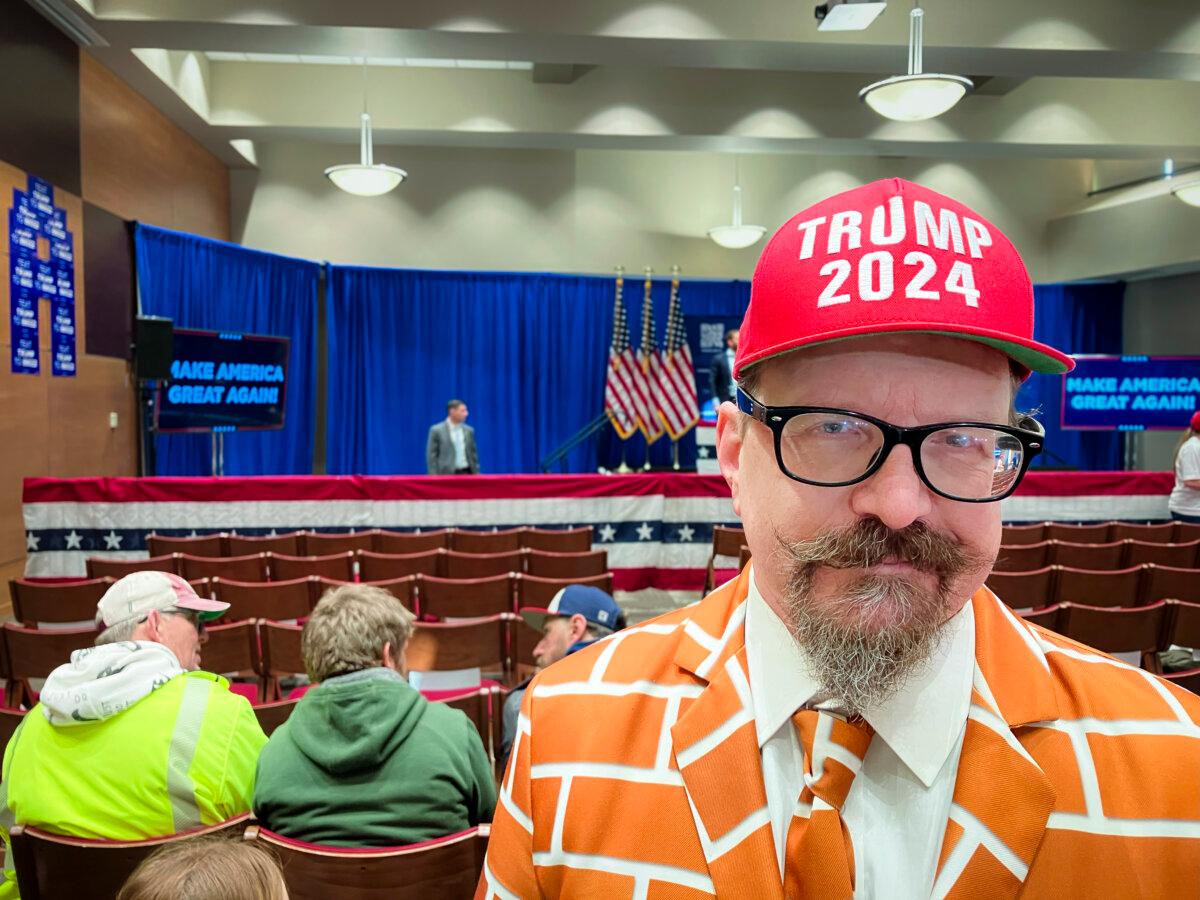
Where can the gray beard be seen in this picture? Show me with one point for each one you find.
(858, 662)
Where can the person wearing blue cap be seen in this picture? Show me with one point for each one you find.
(577, 617)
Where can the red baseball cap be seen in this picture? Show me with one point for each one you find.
(1194, 424)
(891, 256)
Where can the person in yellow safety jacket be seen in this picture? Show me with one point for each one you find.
(129, 740)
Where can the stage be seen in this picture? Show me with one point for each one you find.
(656, 527)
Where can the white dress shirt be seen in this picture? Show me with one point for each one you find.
(898, 804)
(459, 440)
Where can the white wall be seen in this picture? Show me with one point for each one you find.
(1162, 317)
(589, 210)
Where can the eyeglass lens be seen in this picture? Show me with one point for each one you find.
(970, 463)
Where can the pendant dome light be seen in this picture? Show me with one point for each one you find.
(736, 236)
(918, 95)
(366, 178)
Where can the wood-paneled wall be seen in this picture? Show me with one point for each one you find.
(138, 164)
(56, 426)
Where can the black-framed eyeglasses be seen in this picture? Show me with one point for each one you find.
(974, 462)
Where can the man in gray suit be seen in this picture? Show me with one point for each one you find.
(450, 449)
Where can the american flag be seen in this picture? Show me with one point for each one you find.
(621, 384)
(676, 381)
(648, 362)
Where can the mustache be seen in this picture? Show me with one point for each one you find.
(869, 542)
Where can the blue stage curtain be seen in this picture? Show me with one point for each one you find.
(527, 353)
(1077, 319)
(213, 285)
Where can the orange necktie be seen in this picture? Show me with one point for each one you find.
(819, 861)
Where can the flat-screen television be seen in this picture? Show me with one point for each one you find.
(1131, 393)
(224, 381)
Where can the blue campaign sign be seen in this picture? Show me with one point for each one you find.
(223, 381)
(1131, 393)
(706, 336)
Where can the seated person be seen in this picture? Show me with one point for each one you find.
(213, 867)
(130, 740)
(578, 615)
(364, 760)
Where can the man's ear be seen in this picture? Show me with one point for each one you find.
(729, 448)
(579, 626)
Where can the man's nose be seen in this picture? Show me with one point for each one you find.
(895, 494)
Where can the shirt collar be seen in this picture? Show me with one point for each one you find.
(921, 722)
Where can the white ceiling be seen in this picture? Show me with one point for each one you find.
(1114, 80)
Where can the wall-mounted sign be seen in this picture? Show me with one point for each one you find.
(1131, 393)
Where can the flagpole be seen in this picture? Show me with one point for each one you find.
(623, 468)
(674, 292)
(646, 288)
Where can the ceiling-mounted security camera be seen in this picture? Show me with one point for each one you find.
(847, 15)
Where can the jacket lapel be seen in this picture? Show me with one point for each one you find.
(1002, 799)
(716, 750)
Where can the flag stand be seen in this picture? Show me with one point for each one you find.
(675, 455)
(623, 468)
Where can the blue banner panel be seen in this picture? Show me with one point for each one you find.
(1131, 393)
(222, 381)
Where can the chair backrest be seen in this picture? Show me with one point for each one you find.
(465, 540)
(1179, 556)
(404, 542)
(35, 653)
(1024, 590)
(1049, 617)
(726, 542)
(1162, 533)
(200, 545)
(468, 598)
(271, 715)
(10, 721)
(1186, 532)
(483, 565)
(382, 566)
(535, 591)
(232, 650)
(476, 703)
(68, 601)
(264, 599)
(566, 565)
(243, 544)
(54, 867)
(469, 644)
(1189, 680)
(251, 567)
(1140, 629)
(403, 589)
(1098, 588)
(1022, 557)
(1087, 556)
(448, 867)
(1012, 535)
(558, 540)
(101, 567)
(1166, 582)
(335, 566)
(524, 639)
(281, 654)
(315, 543)
(1077, 534)
(1185, 623)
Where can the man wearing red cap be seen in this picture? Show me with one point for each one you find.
(856, 715)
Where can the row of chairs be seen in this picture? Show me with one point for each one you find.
(263, 652)
(1102, 532)
(1111, 555)
(35, 603)
(54, 867)
(1135, 586)
(1144, 630)
(377, 540)
(365, 564)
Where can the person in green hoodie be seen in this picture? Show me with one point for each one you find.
(364, 760)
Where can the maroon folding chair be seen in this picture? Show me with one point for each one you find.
(468, 644)
(315, 543)
(336, 566)
(566, 565)
(483, 565)
(1012, 535)
(103, 567)
(558, 540)
(251, 567)
(726, 542)
(1177, 556)
(1022, 557)
(465, 598)
(199, 545)
(534, 591)
(244, 545)
(1142, 630)
(447, 867)
(281, 655)
(232, 650)
(403, 589)
(276, 600)
(406, 542)
(382, 566)
(465, 540)
(1048, 617)
(1091, 588)
(1167, 583)
(1024, 590)
(1162, 533)
(1096, 557)
(1077, 534)
(271, 715)
(58, 602)
(35, 653)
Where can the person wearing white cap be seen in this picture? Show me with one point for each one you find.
(129, 740)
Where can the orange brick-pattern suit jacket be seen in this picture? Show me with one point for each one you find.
(636, 771)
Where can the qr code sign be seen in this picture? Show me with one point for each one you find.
(712, 336)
